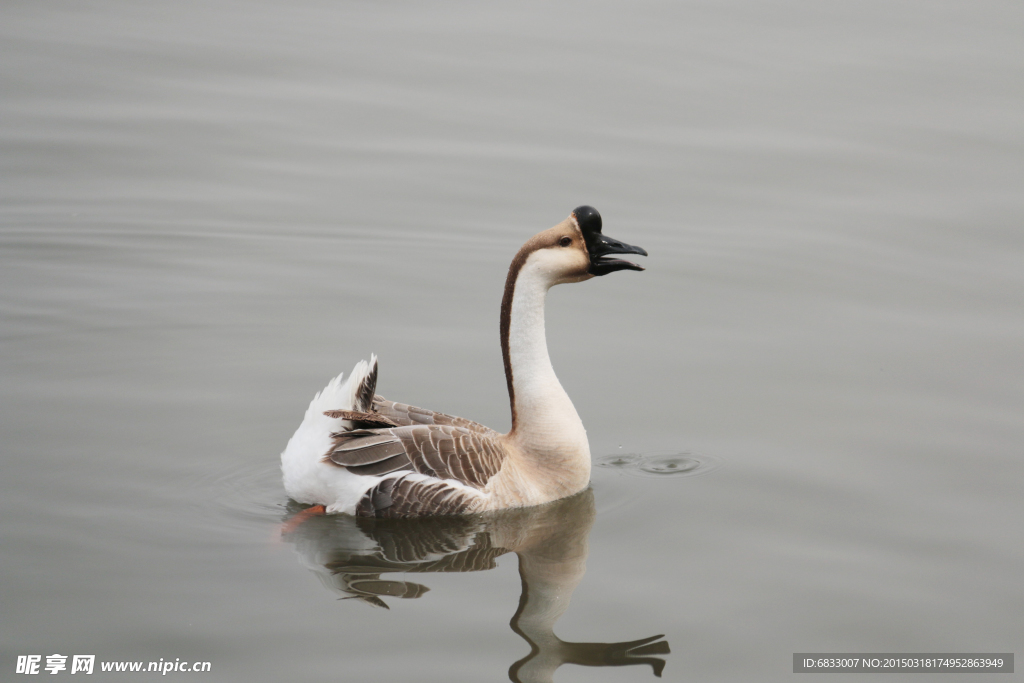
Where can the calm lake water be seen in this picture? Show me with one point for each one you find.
(207, 209)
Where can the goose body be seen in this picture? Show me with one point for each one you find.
(356, 452)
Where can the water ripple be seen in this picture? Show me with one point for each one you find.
(244, 495)
(662, 464)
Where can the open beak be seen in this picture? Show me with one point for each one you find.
(601, 264)
(601, 247)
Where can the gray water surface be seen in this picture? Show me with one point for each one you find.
(208, 209)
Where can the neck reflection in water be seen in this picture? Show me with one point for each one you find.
(355, 555)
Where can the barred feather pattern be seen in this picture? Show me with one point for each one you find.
(366, 390)
(405, 496)
(439, 451)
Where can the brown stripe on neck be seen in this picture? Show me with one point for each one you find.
(506, 321)
(541, 240)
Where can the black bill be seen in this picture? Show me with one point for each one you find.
(600, 247)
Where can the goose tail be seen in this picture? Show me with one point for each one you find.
(312, 439)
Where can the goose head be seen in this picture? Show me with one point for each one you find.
(575, 250)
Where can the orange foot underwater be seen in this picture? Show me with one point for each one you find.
(296, 520)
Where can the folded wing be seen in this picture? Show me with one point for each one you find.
(438, 451)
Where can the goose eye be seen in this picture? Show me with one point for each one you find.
(565, 241)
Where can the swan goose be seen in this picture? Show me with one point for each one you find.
(358, 453)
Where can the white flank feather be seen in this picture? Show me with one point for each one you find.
(306, 478)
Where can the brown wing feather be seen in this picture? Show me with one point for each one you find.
(393, 464)
(400, 497)
(367, 388)
(440, 451)
(449, 452)
(364, 447)
(362, 420)
(408, 416)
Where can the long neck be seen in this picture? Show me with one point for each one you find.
(544, 420)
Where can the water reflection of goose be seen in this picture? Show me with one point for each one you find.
(359, 453)
(357, 557)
